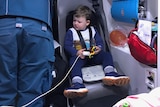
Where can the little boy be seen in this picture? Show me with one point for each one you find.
(79, 39)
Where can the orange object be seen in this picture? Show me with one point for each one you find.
(118, 38)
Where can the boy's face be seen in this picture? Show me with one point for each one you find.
(80, 23)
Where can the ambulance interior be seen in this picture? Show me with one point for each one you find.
(112, 15)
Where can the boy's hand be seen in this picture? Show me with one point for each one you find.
(97, 50)
(80, 53)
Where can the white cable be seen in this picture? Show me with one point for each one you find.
(53, 87)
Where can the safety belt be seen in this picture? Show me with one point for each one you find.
(98, 7)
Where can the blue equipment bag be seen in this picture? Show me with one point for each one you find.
(125, 10)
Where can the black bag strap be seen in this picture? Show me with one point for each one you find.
(82, 40)
(153, 41)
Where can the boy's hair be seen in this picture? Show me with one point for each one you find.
(83, 11)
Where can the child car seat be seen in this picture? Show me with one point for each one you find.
(99, 95)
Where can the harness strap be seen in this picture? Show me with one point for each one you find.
(82, 40)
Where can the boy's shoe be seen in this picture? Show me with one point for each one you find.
(76, 90)
(113, 78)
